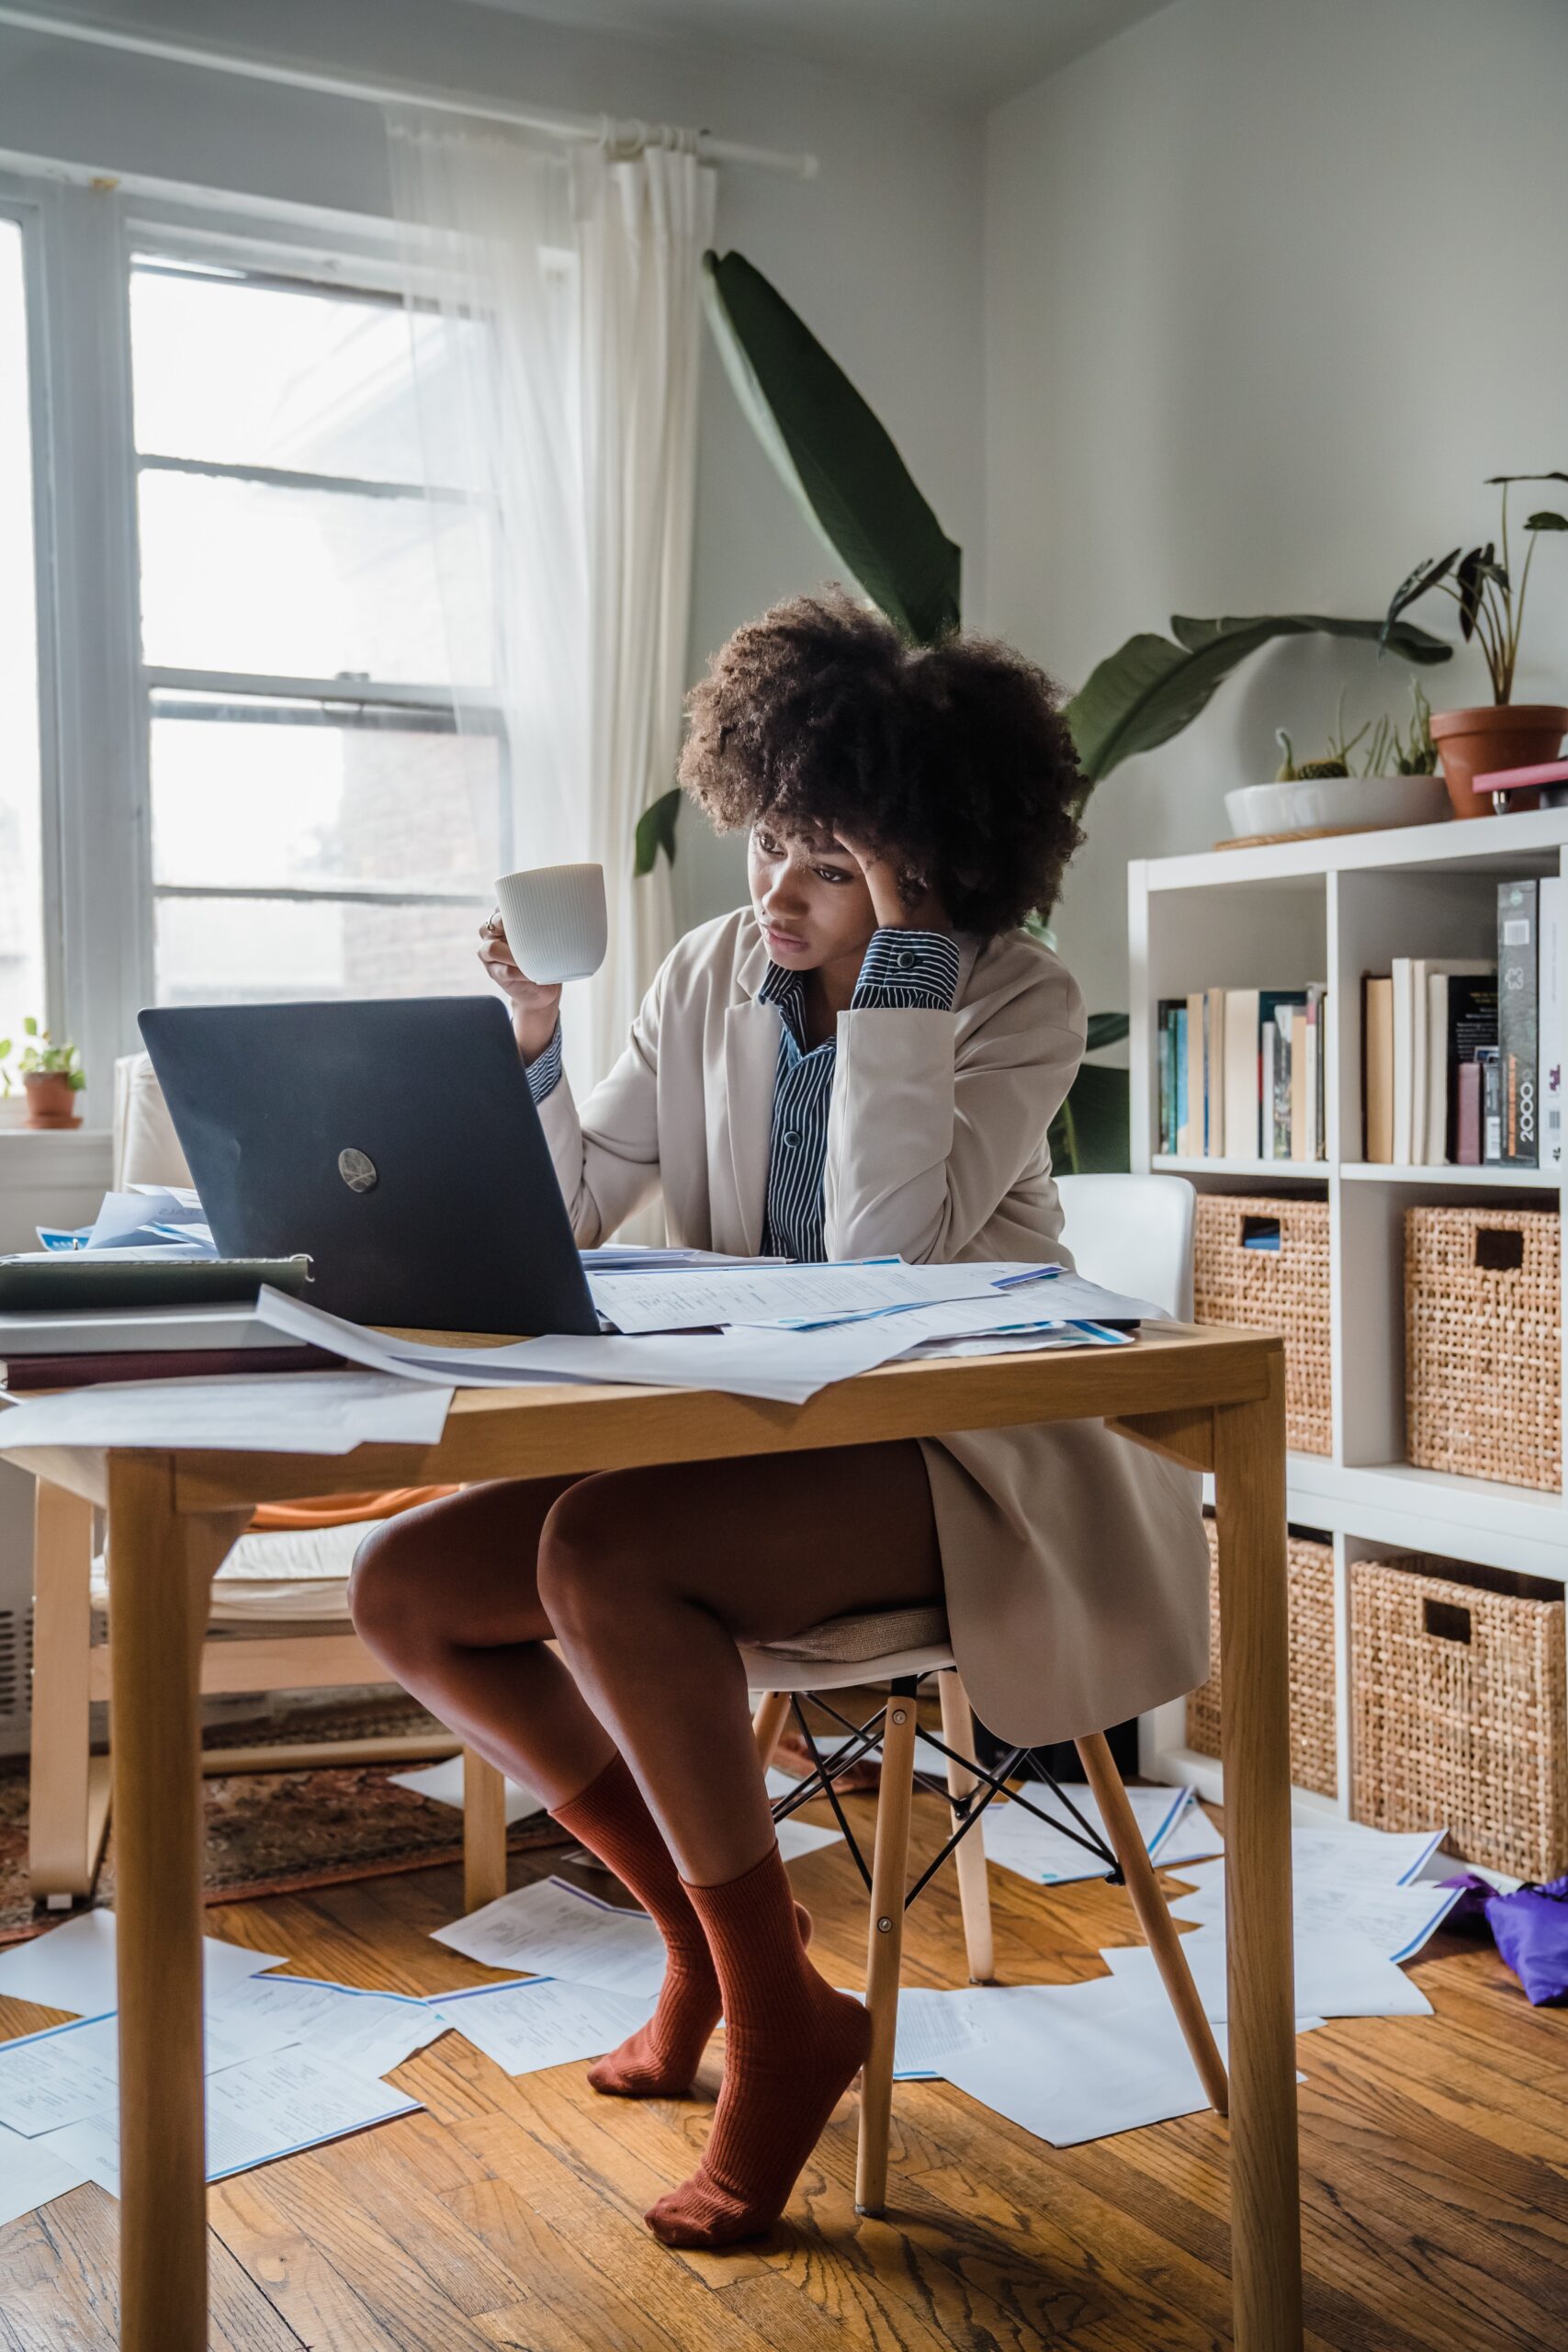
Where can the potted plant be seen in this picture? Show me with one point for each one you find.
(51, 1076)
(1504, 733)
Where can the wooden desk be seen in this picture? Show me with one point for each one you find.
(1213, 1399)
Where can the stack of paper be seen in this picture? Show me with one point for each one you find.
(828, 1323)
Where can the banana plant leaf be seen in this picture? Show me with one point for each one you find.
(1148, 691)
(1091, 1134)
(832, 452)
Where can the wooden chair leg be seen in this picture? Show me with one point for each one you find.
(889, 1873)
(772, 1713)
(1158, 1927)
(68, 1809)
(969, 1857)
(484, 1831)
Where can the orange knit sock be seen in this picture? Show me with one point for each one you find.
(792, 2048)
(660, 2059)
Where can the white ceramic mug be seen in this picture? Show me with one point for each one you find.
(555, 919)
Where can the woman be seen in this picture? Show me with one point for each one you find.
(865, 1061)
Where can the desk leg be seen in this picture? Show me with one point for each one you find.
(1250, 1507)
(161, 1567)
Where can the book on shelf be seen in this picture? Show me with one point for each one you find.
(1240, 1074)
(1462, 1058)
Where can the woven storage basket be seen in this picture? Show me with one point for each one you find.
(1314, 1764)
(1284, 1290)
(1457, 1679)
(1482, 1345)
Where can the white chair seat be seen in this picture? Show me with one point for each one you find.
(870, 1647)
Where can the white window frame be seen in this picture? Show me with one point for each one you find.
(95, 690)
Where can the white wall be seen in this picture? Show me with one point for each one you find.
(881, 254)
(1270, 289)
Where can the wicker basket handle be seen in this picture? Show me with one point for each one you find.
(1445, 1621)
(1260, 1233)
(1499, 1249)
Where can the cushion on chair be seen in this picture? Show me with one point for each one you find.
(277, 1580)
(855, 1641)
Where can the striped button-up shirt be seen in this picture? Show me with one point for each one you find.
(902, 968)
(914, 969)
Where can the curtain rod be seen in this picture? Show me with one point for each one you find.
(584, 129)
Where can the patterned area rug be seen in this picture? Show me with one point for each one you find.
(272, 1832)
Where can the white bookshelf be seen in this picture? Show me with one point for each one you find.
(1283, 916)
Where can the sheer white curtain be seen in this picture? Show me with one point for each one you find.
(566, 403)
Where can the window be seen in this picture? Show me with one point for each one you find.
(319, 824)
(21, 884)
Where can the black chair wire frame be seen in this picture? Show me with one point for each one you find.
(967, 1810)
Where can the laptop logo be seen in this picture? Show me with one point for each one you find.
(358, 1170)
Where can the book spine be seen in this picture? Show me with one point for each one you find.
(1467, 1115)
(1518, 1022)
(1268, 1079)
(1490, 1064)
(1183, 1111)
(1280, 1103)
(1551, 1015)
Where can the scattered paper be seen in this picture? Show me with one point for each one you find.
(542, 2021)
(798, 1838)
(1018, 1841)
(554, 1929)
(1072, 2062)
(1352, 1855)
(1397, 1919)
(32, 2175)
(1337, 1975)
(315, 1412)
(808, 1295)
(443, 1783)
(256, 2112)
(934, 2024)
(67, 2072)
(371, 2032)
(73, 1967)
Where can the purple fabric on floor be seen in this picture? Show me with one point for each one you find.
(1531, 1929)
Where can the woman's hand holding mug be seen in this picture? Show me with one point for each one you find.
(535, 1008)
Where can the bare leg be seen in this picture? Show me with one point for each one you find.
(446, 1596)
(651, 1576)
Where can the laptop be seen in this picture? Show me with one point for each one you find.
(396, 1143)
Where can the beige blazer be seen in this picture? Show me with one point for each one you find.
(1075, 1564)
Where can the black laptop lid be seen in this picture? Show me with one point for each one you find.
(396, 1142)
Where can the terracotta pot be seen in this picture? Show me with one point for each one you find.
(1498, 735)
(52, 1100)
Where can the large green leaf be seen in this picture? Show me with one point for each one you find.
(656, 830)
(1142, 696)
(832, 452)
(1090, 1135)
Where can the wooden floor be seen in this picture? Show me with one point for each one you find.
(1435, 2156)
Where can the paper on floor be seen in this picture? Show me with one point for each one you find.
(73, 1967)
(554, 1929)
(310, 1412)
(369, 2032)
(542, 2021)
(1397, 1919)
(1072, 2062)
(443, 1783)
(798, 1838)
(934, 2024)
(1018, 1841)
(68, 2071)
(1337, 1975)
(265, 2108)
(32, 2175)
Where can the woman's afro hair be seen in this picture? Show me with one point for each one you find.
(952, 760)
